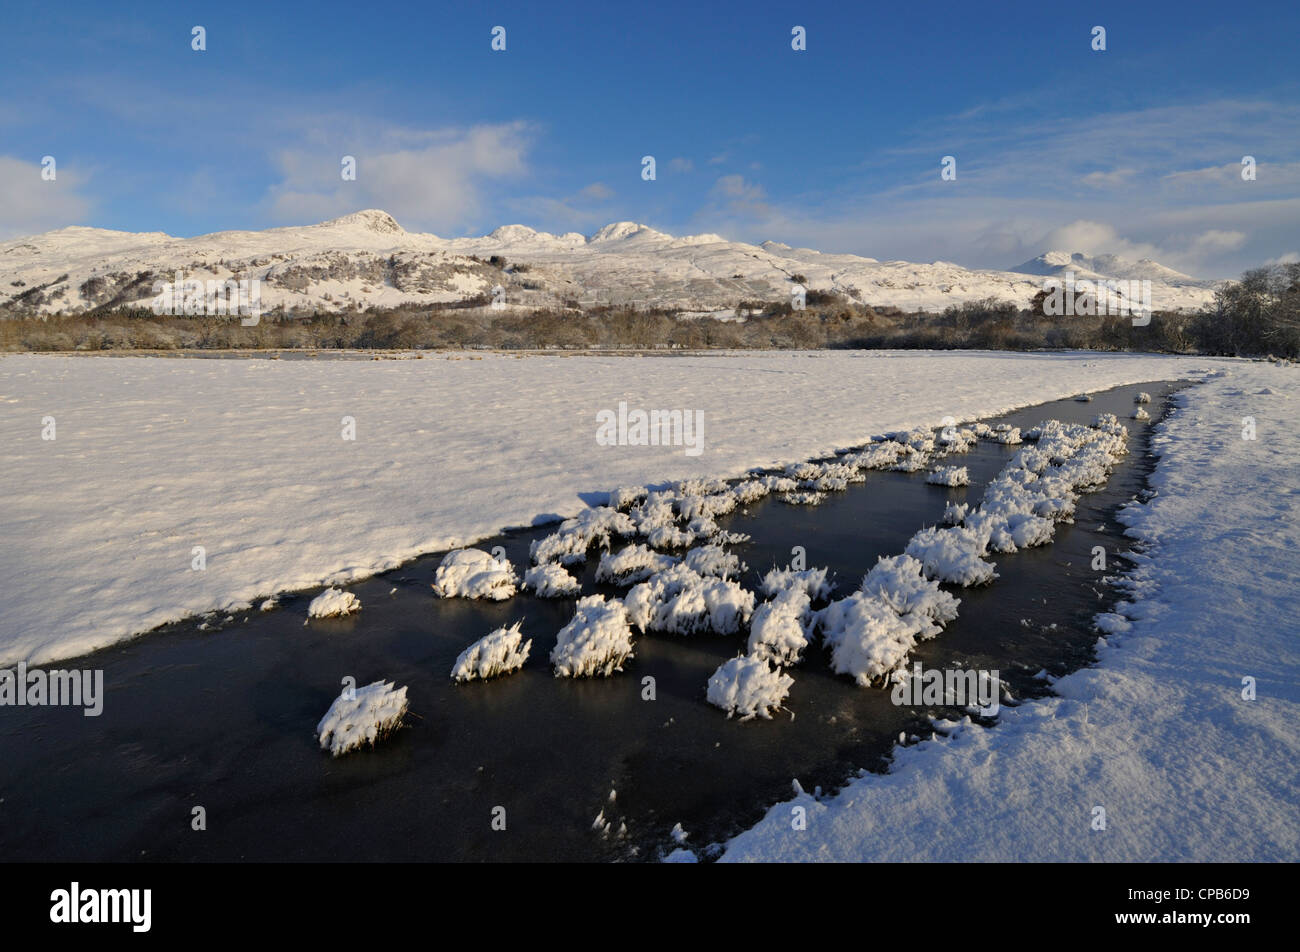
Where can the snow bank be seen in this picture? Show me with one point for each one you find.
(473, 573)
(749, 687)
(498, 652)
(333, 603)
(361, 716)
(596, 642)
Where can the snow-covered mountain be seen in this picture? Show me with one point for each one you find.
(367, 258)
(1093, 267)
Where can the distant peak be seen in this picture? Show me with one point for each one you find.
(622, 229)
(513, 233)
(372, 219)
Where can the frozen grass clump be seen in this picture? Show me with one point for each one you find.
(750, 490)
(633, 563)
(779, 630)
(867, 638)
(1143, 397)
(957, 440)
(551, 580)
(626, 496)
(700, 486)
(473, 573)
(596, 642)
(880, 455)
(803, 499)
(498, 652)
(569, 544)
(361, 716)
(954, 513)
(1007, 435)
(826, 484)
(1083, 398)
(749, 687)
(713, 560)
(333, 603)
(811, 581)
(900, 583)
(949, 476)
(684, 602)
(779, 484)
(1140, 414)
(953, 554)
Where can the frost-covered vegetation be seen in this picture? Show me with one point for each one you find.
(473, 573)
(361, 716)
(502, 651)
(332, 603)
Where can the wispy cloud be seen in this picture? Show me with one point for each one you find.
(432, 179)
(31, 204)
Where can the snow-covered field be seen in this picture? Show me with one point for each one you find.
(153, 458)
(1159, 733)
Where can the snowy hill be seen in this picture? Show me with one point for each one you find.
(367, 258)
(1057, 263)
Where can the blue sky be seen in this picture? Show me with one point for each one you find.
(1135, 150)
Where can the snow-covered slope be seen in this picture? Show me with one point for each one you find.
(367, 258)
(1058, 263)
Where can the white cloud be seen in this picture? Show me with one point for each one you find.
(429, 179)
(29, 204)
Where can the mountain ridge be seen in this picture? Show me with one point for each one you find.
(367, 258)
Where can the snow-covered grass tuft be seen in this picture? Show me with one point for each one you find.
(1142, 397)
(569, 544)
(626, 496)
(714, 560)
(954, 513)
(682, 601)
(779, 629)
(1141, 414)
(596, 642)
(867, 638)
(803, 499)
(333, 603)
(498, 652)
(949, 476)
(551, 580)
(361, 716)
(954, 555)
(811, 581)
(473, 573)
(749, 687)
(901, 584)
(633, 563)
